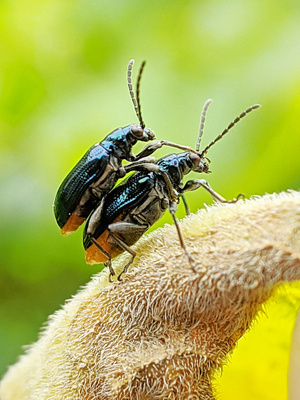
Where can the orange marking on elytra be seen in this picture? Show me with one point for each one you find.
(94, 256)
(72, 224)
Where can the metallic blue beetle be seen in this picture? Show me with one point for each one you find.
(98, 170)
(130, 209)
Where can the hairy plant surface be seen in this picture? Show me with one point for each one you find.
(164, 330)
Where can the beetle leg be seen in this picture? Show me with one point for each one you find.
(155, 168)
(180, 190)
(237, 198)
(173, 209)
(171, 191)
(125, 227)
(149, 149)
(135, 165)
(128, 249)
(142, 166)
(172, 194)
(94, 220)
(111, 270)
(196, 183)
(186, 206)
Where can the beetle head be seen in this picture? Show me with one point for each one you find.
(143, 134)
(179, 165)
(199, 164)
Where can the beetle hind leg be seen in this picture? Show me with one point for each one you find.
(132, 230)
(108, 263)
(111, 270)
(124, 246)
(126, 268)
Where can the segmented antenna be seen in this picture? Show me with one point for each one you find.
(135, 100)
(203, 115)
(242, 115)
(138, 94)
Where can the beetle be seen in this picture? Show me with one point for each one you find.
(131, 208)
(97, 172)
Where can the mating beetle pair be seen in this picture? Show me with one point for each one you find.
(98, 170)
(119, 217)
(130, 209)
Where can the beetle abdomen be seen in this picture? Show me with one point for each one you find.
(94, 256)
(123, 198)
(91, 166)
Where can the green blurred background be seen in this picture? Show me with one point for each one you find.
(63, 88)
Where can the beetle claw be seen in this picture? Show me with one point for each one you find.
(238, 197)
(119, 277)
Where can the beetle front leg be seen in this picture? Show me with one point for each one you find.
(196, 183)
(137, 165)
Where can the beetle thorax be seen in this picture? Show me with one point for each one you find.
(120, 142)
(176, 166)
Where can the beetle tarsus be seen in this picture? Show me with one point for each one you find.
(111, 270)
(125, 269)
(240, 196)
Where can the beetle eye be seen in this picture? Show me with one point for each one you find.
(137, 131)
(195, 159)
(141, 134)
(199, 164)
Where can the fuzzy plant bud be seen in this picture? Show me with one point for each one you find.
(164, 331)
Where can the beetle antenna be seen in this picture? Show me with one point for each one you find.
(203, 115)
(138, 95)
(242, 115)
(136, 104)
